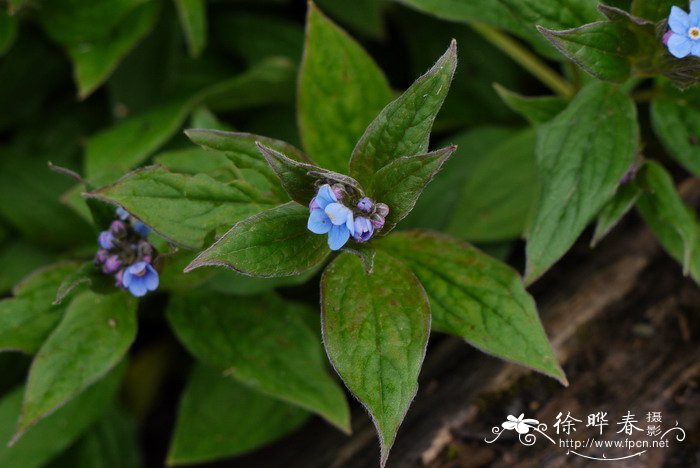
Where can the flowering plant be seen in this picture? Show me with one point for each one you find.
(214, 252)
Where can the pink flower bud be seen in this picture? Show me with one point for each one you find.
(382, 210)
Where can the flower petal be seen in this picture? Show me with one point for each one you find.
(695, 49)
(325, 196)
(138, 288)
(679, 46)
(126, 278)
(678, 21)
(151, 279)
(319, 222)
(509, 425)
(694, 12)
(338, 213)
(338, 236)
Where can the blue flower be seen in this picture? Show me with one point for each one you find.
(141, 229)
(363, 229)
(685, 28)
(122, 213)
(106, 240)
(140, 278)
(330, 217)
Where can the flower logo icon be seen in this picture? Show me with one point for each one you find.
(521, 425)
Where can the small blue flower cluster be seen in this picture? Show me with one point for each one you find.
(328, 215)
(126, 253)
(683, 38)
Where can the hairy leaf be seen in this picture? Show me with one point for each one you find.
(94, 335)
(581, 156)
(676, 121)
(273, 243)
(401, 182)
(375, 330)
(341, 90)
(220, 418)
(264, 343)
(477, 298)
(184, 209)
(615, 210)
(403, 127)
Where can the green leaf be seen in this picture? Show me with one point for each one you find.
(581, 156)
(654, 10)
(401, 182)
(375, 330)
(298, 179)
(18, 259)
(264, 343)
(94, 335)
(117, 149)
(255, 36)
(55, 433)
(364, 16)
(516, 16)
(488, 212)
(477, 298)
(601, 48)
(29, 317)
(8, 31)
(95, 60)
(536, 110)
(220, 418)
(403, 126)
(341, 90)
(193, 18)
(183, 209)
(112, 442)
(273, 243)
(615, 210)
(87, 274)
(676, 121)
(673, 222)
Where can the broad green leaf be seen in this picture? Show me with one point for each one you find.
(341, 90)
(95, 59)
(231, 282)
(298, 179)
(403, 126)
(655, 10)
(220, 418)
(517, 16)
(112, 442)
(581, 156)
(488, 212)
(436, 207)
(477, 298)
(536, 110)
(264, 343)
(29, 317)
(193, 18)
(93, 336)
(184, 209)
(18, 259)
(55, 433)
(364, 16)
(274, 243)
(375, 330)
(674, 223)
(87, 274)
(113, 151)
(676, 121)
(8, 31)
(463, 200)
(35, 210)
(401, 182)
(254, 36)
(601, 48)
(615, 210)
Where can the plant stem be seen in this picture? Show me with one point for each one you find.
(526, 59)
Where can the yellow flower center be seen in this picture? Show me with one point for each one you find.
(694, 33)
